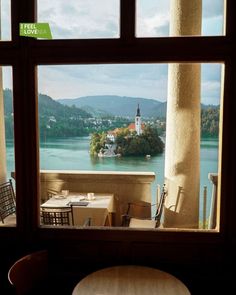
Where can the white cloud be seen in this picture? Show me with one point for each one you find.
(212, 8)
(139, 80)
(5, 20)
(153, 17)
(124, 80)
(158, 25)
(210, 92)
(80, 18)
(7, 77)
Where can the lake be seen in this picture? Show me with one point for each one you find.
(73, 154)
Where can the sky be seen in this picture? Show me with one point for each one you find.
(85, 19)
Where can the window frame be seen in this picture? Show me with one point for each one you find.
(25, 54)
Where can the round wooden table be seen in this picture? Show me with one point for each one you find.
(130, 280)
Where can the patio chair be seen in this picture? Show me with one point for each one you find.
(138, 214)
(28, 275)
(88, 221)
(7, 200)
(51, 193)
(56, 216)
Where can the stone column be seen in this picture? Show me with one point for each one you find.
(3, 166)
(213, 209)
(182, 151)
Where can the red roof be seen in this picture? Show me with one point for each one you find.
(132, 126)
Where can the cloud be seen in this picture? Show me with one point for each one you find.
(81, 19)
(153, 18)
(136, 80)
(5, 20)
(7, 77)
(158, 25)
(143, 80)
(210, 92)
(212, 8)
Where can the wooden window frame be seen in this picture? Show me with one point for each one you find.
(25, 54)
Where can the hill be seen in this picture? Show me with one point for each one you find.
(100, 113)
(55, 119)
(117, 105)
(47, 107)
(123, 106)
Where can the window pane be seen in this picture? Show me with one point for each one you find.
(153, 18)
(5, 17)
(7, 154)
(115, 129)
(81, 19)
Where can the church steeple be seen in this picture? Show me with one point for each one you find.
(138, 123)
(138, 111)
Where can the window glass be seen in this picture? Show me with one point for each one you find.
(153, 18)
(80, 19)
(115, 129)
(5, 17)
(7, 154)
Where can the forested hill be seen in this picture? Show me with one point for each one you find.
(47, 107)
(122, 106)
(58, 120)
(115, 105)
(55, 119)
(210, 122)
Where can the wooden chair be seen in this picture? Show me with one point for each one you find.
(88, 221)
(29, 274)
(7, 200)
(56, 216)
(138, 214)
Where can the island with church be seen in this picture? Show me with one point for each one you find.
(136, 139)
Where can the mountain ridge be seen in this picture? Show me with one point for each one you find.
(123, 106)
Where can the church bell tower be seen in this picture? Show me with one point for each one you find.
(138, 124)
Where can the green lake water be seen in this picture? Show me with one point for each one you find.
(73, 154)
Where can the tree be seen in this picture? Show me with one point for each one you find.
(97, 143)
(131, 144)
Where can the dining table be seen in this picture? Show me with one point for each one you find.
(130, 280)
(98, 208)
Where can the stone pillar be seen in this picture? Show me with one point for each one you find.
(213, 209)
(3, 167)
(182, 151)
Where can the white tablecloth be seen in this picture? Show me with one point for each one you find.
(98, 209)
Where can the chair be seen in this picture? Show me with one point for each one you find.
(56, 216)
(51, 193)
(7, 200)
(88, 221)
(29, 274)
(138, 214)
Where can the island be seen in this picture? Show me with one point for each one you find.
(137, 139)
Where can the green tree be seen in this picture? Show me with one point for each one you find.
(97, 142)
(131, 144)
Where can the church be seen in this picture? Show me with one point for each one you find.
(137, 126)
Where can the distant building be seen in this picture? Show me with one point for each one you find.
(138, 126)
(52, 119)
(111, 135)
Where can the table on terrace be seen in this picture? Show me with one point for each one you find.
(99, 209)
